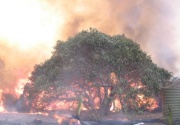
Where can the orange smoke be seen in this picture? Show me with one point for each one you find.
(28, 32)
(153, 24)
(29, 29)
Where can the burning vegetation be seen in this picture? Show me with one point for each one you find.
(92, 71)
(98, 73)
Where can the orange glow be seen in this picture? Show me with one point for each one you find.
(62, 105)
(1, 103)
(58, 105)
(60, 119)
(29, 30)
(66, 119)
(150, 102)
(116, 105)
(113, 78)
(153, 104)
(40, 113)
(2, 108)
(20, 86)
(137, 85)
(26, 23)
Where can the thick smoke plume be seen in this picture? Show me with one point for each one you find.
(29, 29)
(150, 23)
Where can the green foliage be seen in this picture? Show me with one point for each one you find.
(169, 116)
(83, 65)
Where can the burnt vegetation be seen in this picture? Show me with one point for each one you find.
(98, 69)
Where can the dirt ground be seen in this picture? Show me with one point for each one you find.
(24, 118)
(30, 119)
(150, 118)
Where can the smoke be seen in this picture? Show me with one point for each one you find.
(29, 29)
(149, 23)
(16, 65)
(25, 40)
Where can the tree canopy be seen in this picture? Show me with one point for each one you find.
(99, 69)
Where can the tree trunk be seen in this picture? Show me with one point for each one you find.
(105, 107)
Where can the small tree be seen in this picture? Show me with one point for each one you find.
(98, 68)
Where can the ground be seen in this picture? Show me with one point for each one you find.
(36, 119)
(147, 118)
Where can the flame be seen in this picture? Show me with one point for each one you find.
(66, 119)
(153, 104)
(60, 105)
(2, 109)
(30, 28)
(116, 105)
(150, 102)
(40, 113)
(60, 119)
(113, 78)
(28, 32)
(20, 86)
(137, 85)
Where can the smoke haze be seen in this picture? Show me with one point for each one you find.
(149, 23)
(29, 29)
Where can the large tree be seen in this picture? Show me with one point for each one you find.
(98, 69)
